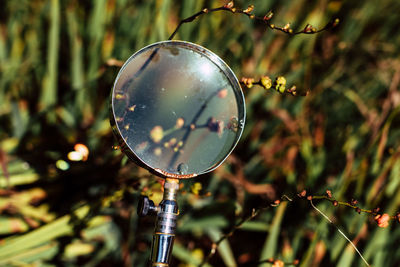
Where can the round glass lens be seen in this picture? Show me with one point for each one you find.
(177, 108)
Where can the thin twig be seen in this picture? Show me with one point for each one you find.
(347, 204)
(254, 213)
(302, 195)
(340, 231)
(308, 29)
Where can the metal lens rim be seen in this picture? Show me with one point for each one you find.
(130, 152)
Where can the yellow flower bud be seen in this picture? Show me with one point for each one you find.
(280, 84)
(266, 82)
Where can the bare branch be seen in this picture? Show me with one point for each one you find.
(308, 29)
(381, 219)
(279, 85)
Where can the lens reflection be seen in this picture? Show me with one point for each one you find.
(178, 108)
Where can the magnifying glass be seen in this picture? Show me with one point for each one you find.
(177, 110)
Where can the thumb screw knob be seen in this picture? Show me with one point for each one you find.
(146, 207)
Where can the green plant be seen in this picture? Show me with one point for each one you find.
(57, 65)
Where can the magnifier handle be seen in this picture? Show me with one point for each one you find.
(164, 233)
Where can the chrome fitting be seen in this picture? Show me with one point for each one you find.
(163, 238)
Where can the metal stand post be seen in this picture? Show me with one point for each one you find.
(164, 232)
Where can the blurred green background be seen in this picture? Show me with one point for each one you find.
(56, 75)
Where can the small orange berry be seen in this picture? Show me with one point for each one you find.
(278, 263)
(302, 193)
(382, 220)
(353, 202)
(329, 193)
